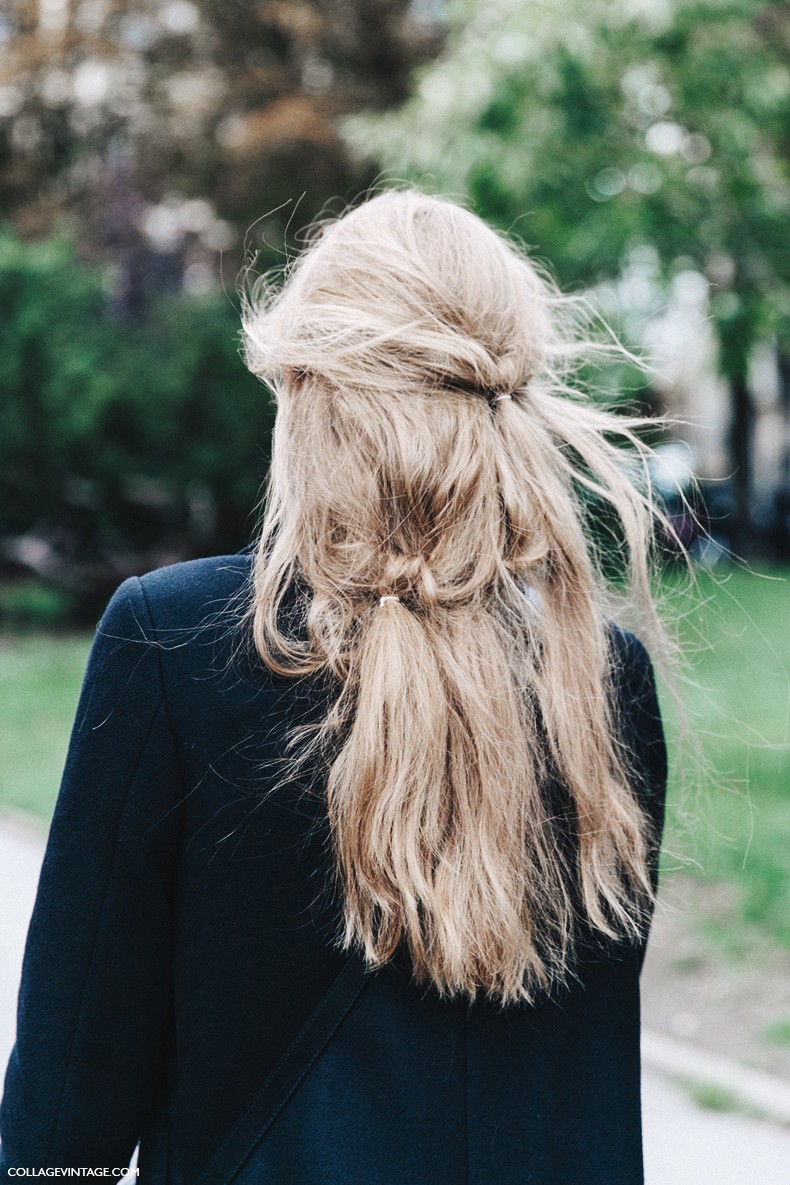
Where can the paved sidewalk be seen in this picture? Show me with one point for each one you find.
(21, 850)
(684, 1145)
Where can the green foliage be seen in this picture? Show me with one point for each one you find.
(28, 604)
(593, 130)
(119, 440)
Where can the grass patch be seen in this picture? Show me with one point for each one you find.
(736, 828)
(40, 679)
(713, 1097)
(777, 1032)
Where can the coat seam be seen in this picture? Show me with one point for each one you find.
(170, 1153)
(80, 1011)
(160, 667)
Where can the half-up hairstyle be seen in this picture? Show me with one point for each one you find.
(483, 678)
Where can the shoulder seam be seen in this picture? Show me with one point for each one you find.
(166, 705)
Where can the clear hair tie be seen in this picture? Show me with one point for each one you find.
(498, 397)
(387, 598)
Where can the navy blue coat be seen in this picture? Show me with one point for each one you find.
(179, 987)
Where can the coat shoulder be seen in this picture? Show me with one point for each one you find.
(627, 649)
(193, 590)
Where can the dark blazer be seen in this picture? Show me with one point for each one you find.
(175, 979)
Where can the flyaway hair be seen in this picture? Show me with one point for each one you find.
(463, 704)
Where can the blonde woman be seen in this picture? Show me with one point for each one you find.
(353, 863)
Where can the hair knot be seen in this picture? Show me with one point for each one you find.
(510, 373)
(409, 575)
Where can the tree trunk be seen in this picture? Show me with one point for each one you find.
(741, 433)
(783, 489)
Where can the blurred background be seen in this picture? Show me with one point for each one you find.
(641, 148)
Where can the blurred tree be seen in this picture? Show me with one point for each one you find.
(597, 130)
(137, 138)
(149, 122)
(118, 451)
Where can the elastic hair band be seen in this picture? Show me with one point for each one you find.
(498, 397)
(388, 598)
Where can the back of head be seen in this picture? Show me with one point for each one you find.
(428, 462)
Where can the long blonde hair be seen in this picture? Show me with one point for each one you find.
(484, 675)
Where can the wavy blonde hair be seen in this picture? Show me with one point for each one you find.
(485, 676)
